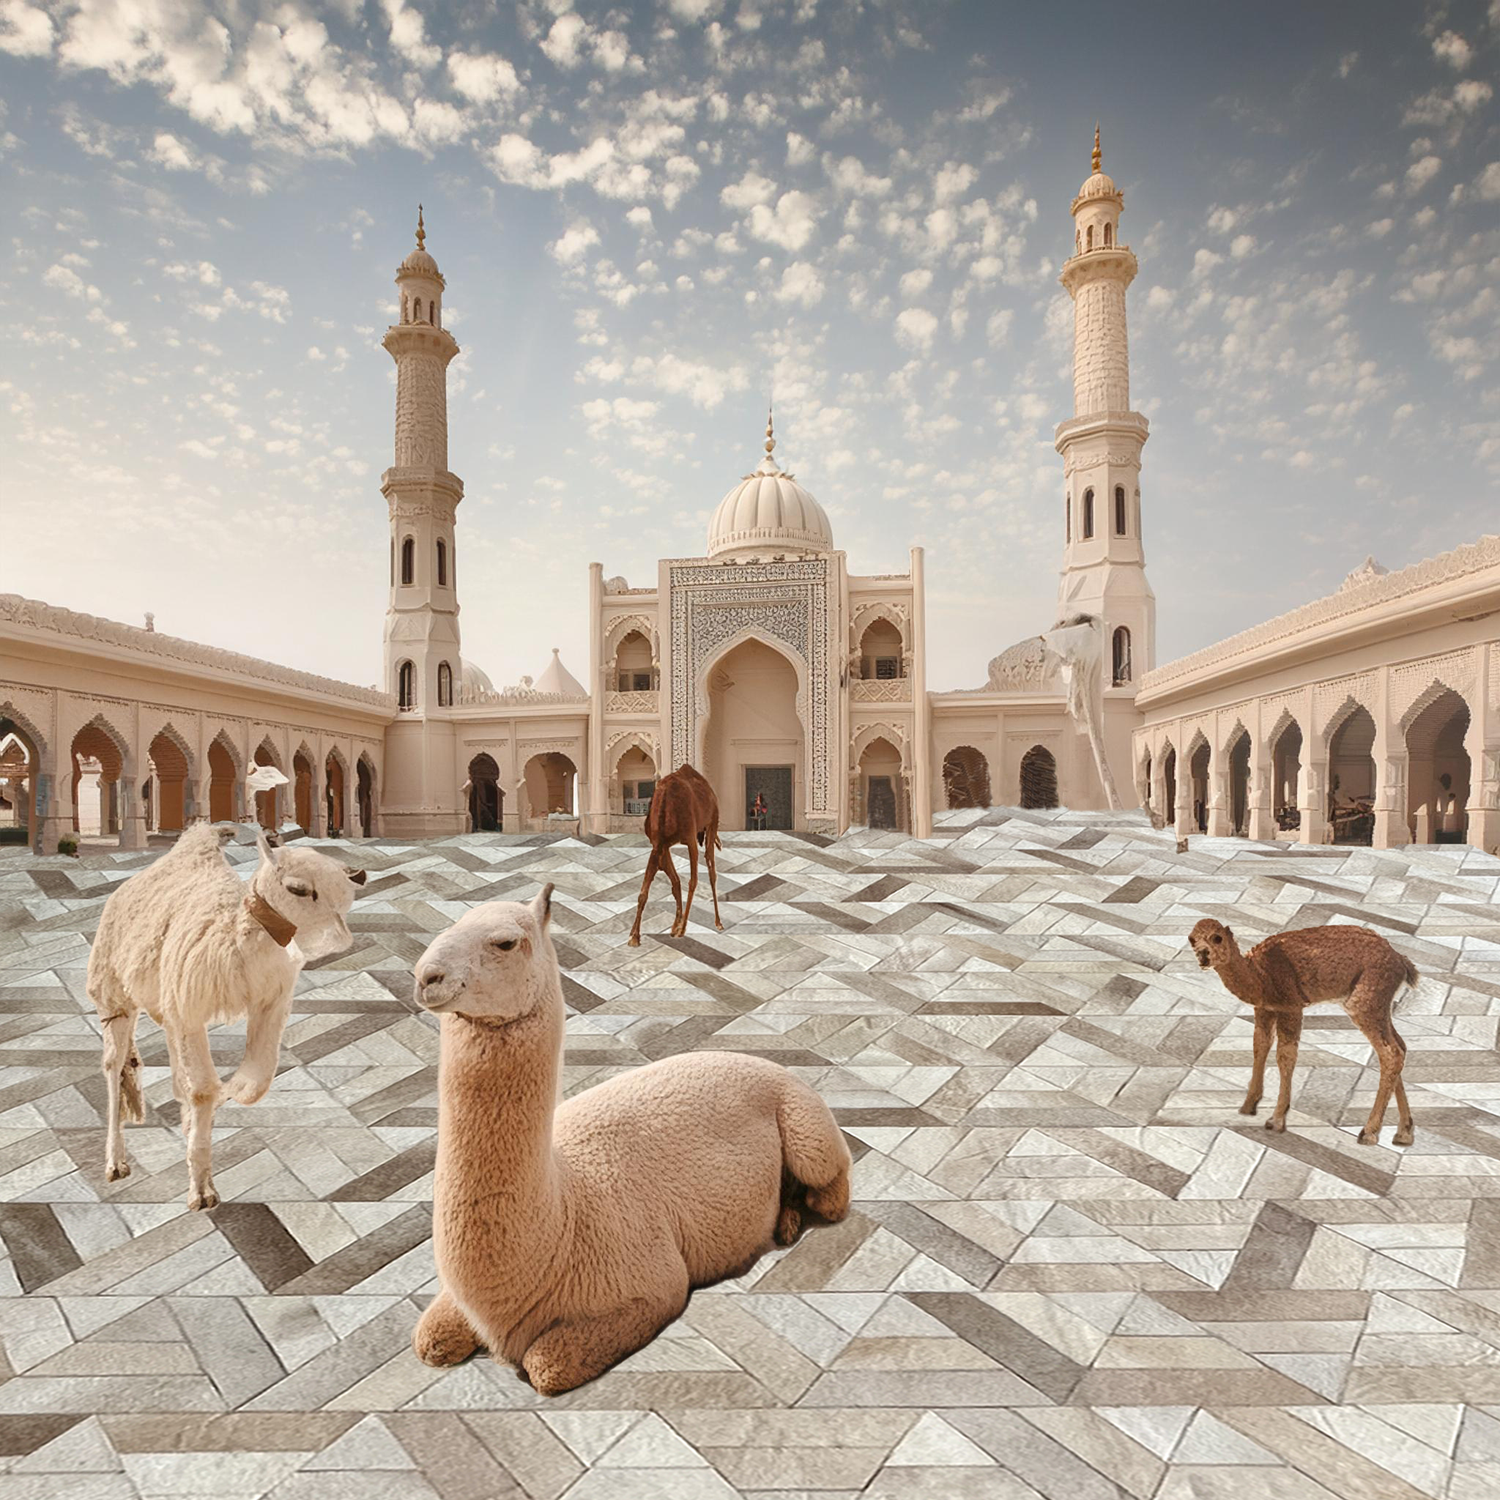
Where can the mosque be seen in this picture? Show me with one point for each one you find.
(797, 687)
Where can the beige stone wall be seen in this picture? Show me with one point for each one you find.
(67, 675)
(1101, 356)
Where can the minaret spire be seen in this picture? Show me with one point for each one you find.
(770, 432)
(422, 229)
(1098, 154)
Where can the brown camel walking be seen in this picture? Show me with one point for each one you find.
(683, 810)
(1292, 970)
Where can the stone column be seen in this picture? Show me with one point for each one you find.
(129, 812)
(1262, 812)
(1391, 827)
(1219, 824)
(1314, 799)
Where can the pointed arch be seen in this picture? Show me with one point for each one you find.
(1335, 722)
(1424, 700)
(14, 721)
(1232, 738)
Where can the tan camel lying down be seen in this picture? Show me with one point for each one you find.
(568, 1235)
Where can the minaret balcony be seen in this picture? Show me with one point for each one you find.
(1102, 261)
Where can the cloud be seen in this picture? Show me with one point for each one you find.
(483, 76)
(1421, 172)
(409, 35)
(849, 176)
(573, 244)
(703, 384)
(800, 283)
(1487, 185)
(66, 279)
(25, 30)
(1242, 245)
(694, 10)
(914, 283)
(751, 189)
(953, 180)
(915, 328)
(1452, 49)
(171, 153)
(799, 150)
(790, 224)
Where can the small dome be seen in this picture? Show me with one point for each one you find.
(768, 511)
(472, 678)
(1100, 185)
(418, 263)
(558, 679)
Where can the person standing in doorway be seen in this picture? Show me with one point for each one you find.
(759, 811)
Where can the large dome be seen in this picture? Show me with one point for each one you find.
(768, 514)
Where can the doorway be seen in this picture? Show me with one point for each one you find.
(774, 783)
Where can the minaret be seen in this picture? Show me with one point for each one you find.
(1104, 564)
(421, 623)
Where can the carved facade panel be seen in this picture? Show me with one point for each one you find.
(785, 603)
(1410, 681)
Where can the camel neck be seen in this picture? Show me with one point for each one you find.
(496, 1098)
(1243, 979)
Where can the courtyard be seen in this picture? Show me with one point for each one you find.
(1072, 1269)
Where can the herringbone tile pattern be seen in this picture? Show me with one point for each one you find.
(1073, 1270)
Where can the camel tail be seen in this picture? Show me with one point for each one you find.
(1409, 971)
(813, 1150)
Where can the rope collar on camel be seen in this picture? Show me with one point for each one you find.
(258, 909)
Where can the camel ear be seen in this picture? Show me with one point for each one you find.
(541, 908)
(268, 855)
(357, 876)
(1229, 933)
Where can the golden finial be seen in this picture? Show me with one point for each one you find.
(1098, 154)
(422, 230)
(770, 433)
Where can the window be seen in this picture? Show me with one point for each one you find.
(432, 313)
(887, 667)
(445, 682)
(1088, 238)
(1122, 655)
(1119, 510)
(1067, 518)
(406, 685)
(1088, 514)
(1107, 230)
(408, 561)
(442, 560)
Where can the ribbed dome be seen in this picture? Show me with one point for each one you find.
(473, 678)
(768, 512)
(418, 263)
(1100, 185)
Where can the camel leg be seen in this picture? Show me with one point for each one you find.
(713, 871)
(652, 865)
(1371, 1011)
(198, 1093)
(119, 1054)
(443, 1336)
(568, 1353)
(1288, 1033)
(262, 1052)
(681, 928)
(1264, 1026)
(669, 865)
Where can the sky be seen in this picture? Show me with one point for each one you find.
(653, 217)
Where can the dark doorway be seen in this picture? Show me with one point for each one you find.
(1038, 778)
(484, 794)
(774, 783)
(882, 810)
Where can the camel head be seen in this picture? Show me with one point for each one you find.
(1213, 943)
(312, 891)
(495, 964)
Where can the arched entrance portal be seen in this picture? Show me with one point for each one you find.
(1169, 786)
(752, 742)
(1198, 771)
(267, 803)
(18, 771)
(966, 778)
(302, 790)
(333, 796)
(1351, 779)
(550, 781)
(635, 778)
(486, 800)
(1437, 777)
(169, 771)
(364, 778)
(1239, 785)
(1286, 775)
(1038, 778)
(97, 766)
(882, 789)
(221, 782)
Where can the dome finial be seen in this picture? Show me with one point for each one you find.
(1098, 154)
(770, 431)
(422, 228)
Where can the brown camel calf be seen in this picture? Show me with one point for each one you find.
(683, 810)
(1292, 970)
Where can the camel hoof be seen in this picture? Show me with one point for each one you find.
(788, 1226)
(1366, 1138)
(635, 942)
(210, 1199)
(1249, 1109)
(1402, 1138)
(718, 927)
(117, 1170)
(1276, 1124)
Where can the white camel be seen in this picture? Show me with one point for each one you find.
(189, 944)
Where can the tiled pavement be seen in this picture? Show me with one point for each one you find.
(1073, 1270)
